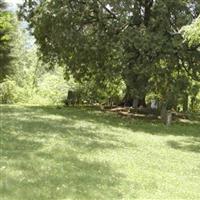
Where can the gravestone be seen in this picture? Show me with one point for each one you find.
(135, 103)
(72, 97)
(154, 104)
(168, 118)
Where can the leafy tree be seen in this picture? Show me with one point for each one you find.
(106, 92)
(7, 26)
(32, 81)
(191, 34)
(103, 39)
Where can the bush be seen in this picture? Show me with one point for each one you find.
(7, 92)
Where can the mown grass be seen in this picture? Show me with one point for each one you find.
(83, 153)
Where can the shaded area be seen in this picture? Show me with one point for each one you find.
(192, 145)
(47, 158)
(154, 127)
(13, 147)
(68, 177)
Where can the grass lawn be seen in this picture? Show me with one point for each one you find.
(82, 153)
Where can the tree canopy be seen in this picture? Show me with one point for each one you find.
(7, 27)
(138, 40)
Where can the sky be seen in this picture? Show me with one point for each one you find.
(13, 4)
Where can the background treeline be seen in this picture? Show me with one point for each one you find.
(102, 53)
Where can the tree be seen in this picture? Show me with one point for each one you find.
(32, 81)
(105, 38)
(192, 32)
(7, 27)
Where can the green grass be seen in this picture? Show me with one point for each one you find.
(82, 153)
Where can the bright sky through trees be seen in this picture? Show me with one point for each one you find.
(13, 4)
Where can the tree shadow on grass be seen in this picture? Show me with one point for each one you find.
(154, 127)
(68, 178)
(60, 172)
(36, 126)
(191, 145)
(74, 178)
(14, 147)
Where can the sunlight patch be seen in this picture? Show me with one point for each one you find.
(57, 117)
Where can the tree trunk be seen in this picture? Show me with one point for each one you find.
(142, 102)
(127, 100)
(163, 112)
(193, 99)
(135, 103)
(185, 103)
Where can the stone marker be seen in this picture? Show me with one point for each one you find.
(168, 118)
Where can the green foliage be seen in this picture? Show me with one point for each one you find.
(28, 86)
(31, 81)
(192, 32)
(7, 91)
(34, 82)
(102, 40)
(7, 28)
(175, 89)
(107, 91)
(52, 88)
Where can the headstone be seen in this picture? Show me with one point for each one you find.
(168, 118)
(135, 103)
(154, 104)
(72, 97)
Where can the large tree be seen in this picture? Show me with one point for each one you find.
(6, 36)
(105, 38)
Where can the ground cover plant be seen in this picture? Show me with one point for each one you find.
(84, 153)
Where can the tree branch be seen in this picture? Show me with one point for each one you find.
(108, 10)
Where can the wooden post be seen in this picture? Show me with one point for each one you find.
(163, 112)
(168, 118)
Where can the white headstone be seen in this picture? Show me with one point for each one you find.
(154, 104)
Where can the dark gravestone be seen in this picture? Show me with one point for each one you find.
(71, 98)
